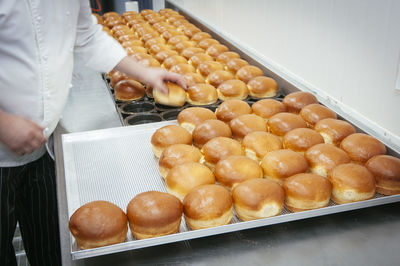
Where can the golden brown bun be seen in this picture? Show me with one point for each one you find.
(150, 62)
(202, 94)
(180, 46)
(198, 58)
(234, 170)
(231, 109)
(267, 108)
(246, 73)
(258, 143)
(175, 155)
(205, 43)
(219, 76)
(140, 56)
(176, 95)
(156, 40)
(97, 224)
(313, 113)
(280, 164)
(225, 57)
(174, 60)
(130, 38)
(176, 39)
(190, 51)
(207, 67)
(182, 178)
(198, 37)
(351, 182)
(235, 64)
(157, 47)
(129, 90)
(153, 214)
(295, 101)
(220, 148)
(216, 49)
(306, 192)
(386, 170)
(167, 136)
(333, 130)
(208, 130)
(129, 43)
(262, 87)
(183, 68)
(122, 32)
(192, 79)
(191, 117)
(191, 31)
(232, 89)
(301, 139)
(361, 147)
(322, 158)
(245, 124)
(110, 14)
(116, 77)
(207, 206)
(162, 55)
(135, 49)
(281, 123)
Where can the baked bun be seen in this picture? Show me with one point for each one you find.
(192, 79)
(208, 67)
(225, 57)
(191, 51)
(246, 73)
(150, 62)
(129, 90)
(216, 49)
(322, 158)
(208, 130)
(333, 130)
(351, 182)
(262, 87)
(140, 56)
(232, 89)
(191, 117)
(177, 39)
(135, 49)
(267, 107)
(313, 113)
(235, 64)
(97, 224)
(115, 77)
(218, 149)
(202, 94)
(156, 40)
(280, 164)
(301, 139)
(234, 170)
(205, 43)
(175, 155)
(174, 60)
(183, 68)
(153, 214)
(306, 192)
(231, 109)
(131, 38)
(361, 147)
(295, 101)
(196, 59)
(164, 54)
(281, 123)
(157, 47)
(258, 143)
(198, 37)
(207, 206)
(386, 170)
(245, 124)
(218, 77)
(182, 178)
(167, 136)
(180, 46)
(176, 95)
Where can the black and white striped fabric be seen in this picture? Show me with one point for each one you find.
(28, 195)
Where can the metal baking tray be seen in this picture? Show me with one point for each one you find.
(118, 163)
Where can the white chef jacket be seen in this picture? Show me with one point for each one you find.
(37, 41)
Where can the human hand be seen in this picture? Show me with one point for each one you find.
(19, 134)
(157, 77)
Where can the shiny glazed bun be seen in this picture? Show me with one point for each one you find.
(351, 182)
(245, 124)
(205, 43)
(196, 59)
(153, 214)
(176, 95)
(322, 158)
(174, 60)
(191, 117)
(192, 79)
(164, 54)
(191, 51)
(208, 130)
(207, 67)
(202, 94)
(180, 46)
(97, 224)
(246, 73)
(177, 39)
(135, 49)
(258, 143)
(306, 192)
(295, 101)
(235, 64)
(333, 130)
(157, 47)
(225, 57)
(156, 40)
(216, 49)
(281, 123)
(301, 139)
(129, 90)
(231, 109)
(262, 87)
(207, 206)
(219, 76)
(313, 113)
(280, 164)
(182, 68)
(232, 89)
(167, 136)
(361, 147)
(218, 149)
(267, 107)
(115, 77)
(198, 37)
(386, 170)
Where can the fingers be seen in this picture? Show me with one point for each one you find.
(176, 78)
(162, 88)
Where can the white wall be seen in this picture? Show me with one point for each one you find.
(348, 51)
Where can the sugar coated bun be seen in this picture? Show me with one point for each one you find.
(351, 182)
(164, 54)
(183, 68)
(295, 101)
(190, 51)
(232, 89)
(361, 147)
(313, 113)
(198, 58)
(207, 67)
(234, 170)
(322, 158)
(174, 60)
(306, 192)
(333, 130)
(167, 136)
(182, 178)
(246, 73)
(262, 87)
(219, 76)
(205, 43)
(225, 57)
(208, 130)
(216, 49)
(386, 170)
(153, 214)
(191, 117)
(175, 155)
(245, 124)
(192, 79)
(176, 95)
(280, 164)
(301, 139)
(258, 143)
(218, 149)
(198, 37)
(235, 64)
(129, 90)
(281, 123)
(97, 224)
(231, 109)
(267, 107)
(202, 94)
(207, 206)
